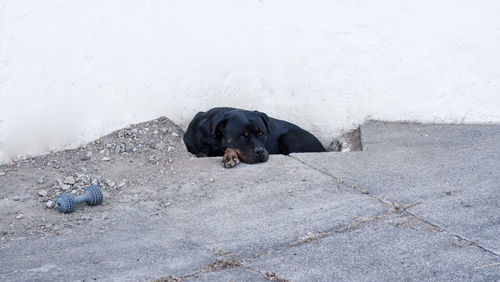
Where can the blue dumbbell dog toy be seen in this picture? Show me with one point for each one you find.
(66, 202)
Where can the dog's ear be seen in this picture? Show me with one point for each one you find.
(218, 122)
(265, 119)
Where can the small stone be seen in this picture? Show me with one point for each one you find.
(119, 149)
(346, 150)
(19, 216)
(49, 204)
(15, 198)
(170, 148)
(270, 275)
(106, 159)
(175, 134)
(42, 193)
(69, 180)
(65, 187)
(170, 161)
(74, 191)
(87, 156)
(110, 183)
(42, 179)
(54, 164)
(160, 146)
(81, 177)
(123, 183)
(2, 173)
(335, 146)
(152, 160)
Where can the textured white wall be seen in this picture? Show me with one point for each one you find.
(71, 71)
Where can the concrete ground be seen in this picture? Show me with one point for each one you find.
(420, 202)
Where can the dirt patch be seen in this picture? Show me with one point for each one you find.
(349, 141)
(122, 163)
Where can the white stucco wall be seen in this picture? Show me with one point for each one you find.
(71, 71)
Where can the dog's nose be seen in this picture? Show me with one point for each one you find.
(258, 151)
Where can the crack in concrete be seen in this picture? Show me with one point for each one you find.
(350, 227)
(222, 264)
(230, 262)
(320, 234)
(470, 242)
(395, 207)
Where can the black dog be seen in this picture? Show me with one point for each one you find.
(249, 136)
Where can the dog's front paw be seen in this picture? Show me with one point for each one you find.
(230, 158)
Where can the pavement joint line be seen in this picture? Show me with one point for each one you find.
(267, 275)
(310, 237)
(470, 242)
(220, 265)
(322, 234)
(231, 262)
(395, 207)
(487, 265)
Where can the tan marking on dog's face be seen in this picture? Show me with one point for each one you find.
(246, 134)
(258, 131)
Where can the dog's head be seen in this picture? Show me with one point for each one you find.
(245, 132)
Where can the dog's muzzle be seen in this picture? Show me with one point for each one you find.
(261, 154)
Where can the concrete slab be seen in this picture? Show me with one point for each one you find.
(395, 248)
(131, 248)
(259, 207)
(473, 215)
(239, 212)
(449, 172)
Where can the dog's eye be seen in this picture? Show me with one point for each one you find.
(244, 135)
